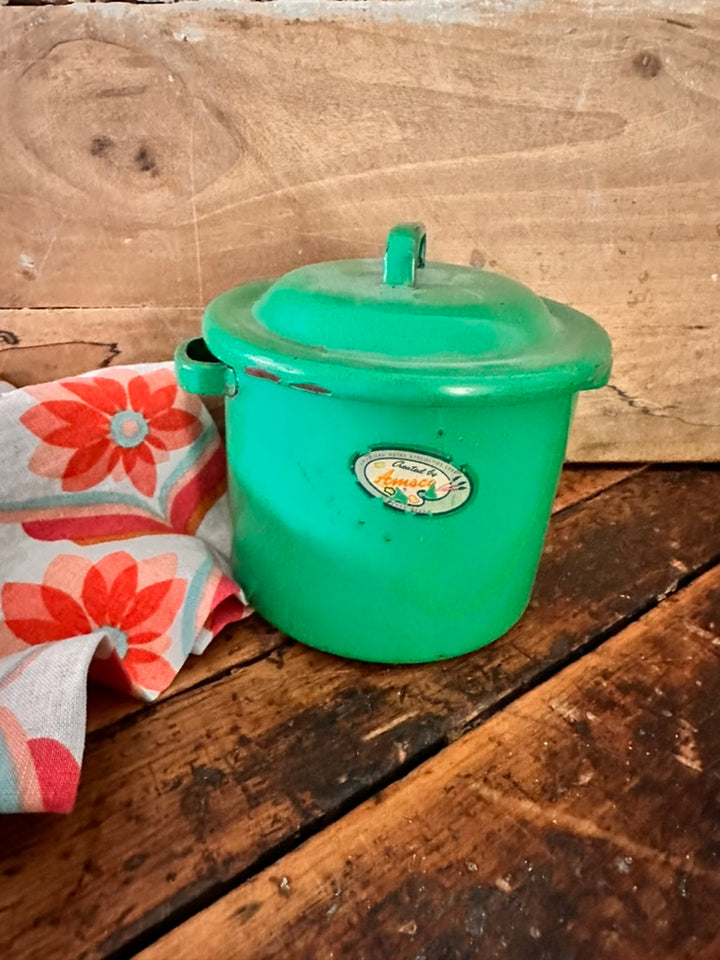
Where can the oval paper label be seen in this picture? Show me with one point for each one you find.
(414, 482)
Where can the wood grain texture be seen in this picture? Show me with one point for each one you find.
(151, 158)
(243, 643)
(237, 646)
(176, 807)
(578, 484)
(581, 821)
(35, 345)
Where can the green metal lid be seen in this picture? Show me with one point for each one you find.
(406, 331)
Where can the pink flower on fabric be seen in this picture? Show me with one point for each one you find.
(57, 772)
(132, 602)
(36, 773)
(99, 427)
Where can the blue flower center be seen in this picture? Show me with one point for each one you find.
(128, 428)
(118, 638)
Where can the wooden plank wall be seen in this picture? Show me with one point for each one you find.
(153, 155)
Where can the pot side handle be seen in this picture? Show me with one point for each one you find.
(199, 371)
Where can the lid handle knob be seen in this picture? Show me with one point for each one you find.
(405, 252)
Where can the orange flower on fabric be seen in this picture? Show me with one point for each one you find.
(132, 602)
(100, 427)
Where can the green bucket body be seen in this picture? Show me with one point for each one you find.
(395, 433)
(339, 569)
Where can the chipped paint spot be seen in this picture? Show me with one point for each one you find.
(311, 388)
(261, 374)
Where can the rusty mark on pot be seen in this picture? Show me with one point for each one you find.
(261, 374)
(311, 388)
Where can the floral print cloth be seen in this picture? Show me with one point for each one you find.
(114, 544)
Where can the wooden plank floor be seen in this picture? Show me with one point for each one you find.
(554, 795)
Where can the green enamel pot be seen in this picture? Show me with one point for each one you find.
(395, 434)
